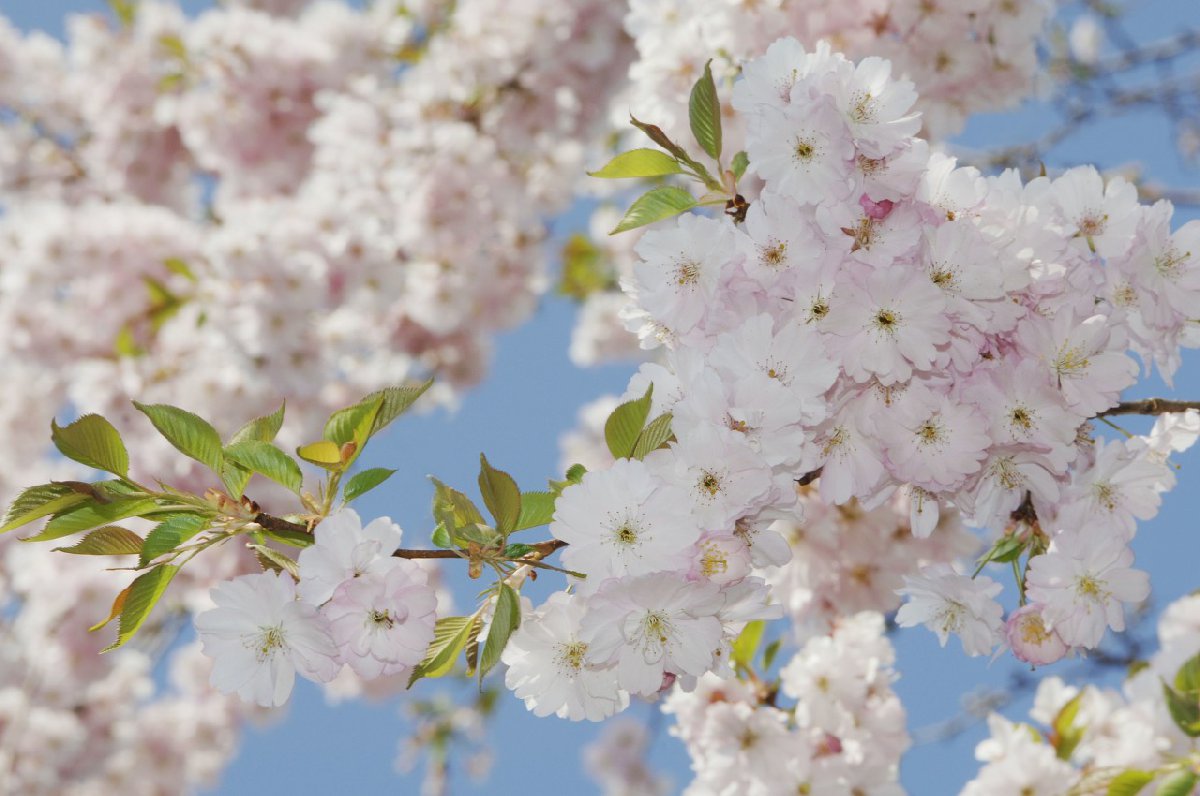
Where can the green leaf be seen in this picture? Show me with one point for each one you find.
(275, 561)
(1187, 679)
(323, 454)
(1180, 783)
(1007, 548)
(265, 459)
(111, 540)
(1129, 783)
(537, 509)
(362, 483)
(449, 637)
(263, 429)
(639, 163)
(740, 162)
(453, 509)
(143, 595)
(625, 424)
(655, 205)
(93, 441)
(292, 538)
(746, 645)
(770, 652)
(441, 537)
(174, 47)
(657, 432)
(191, 435)
(575, 473)
(586, 269)
(655, 134)
(179, 267)
(124, 10)
(505, 619)
(354, 423)
(169, 534)
(704, 113)
(471, 651)
(1066, 733)
(517, 550)
(396, 401)
(1184, 710)
(91, 515)
(235, 477)
(37, 502)
(500, 494)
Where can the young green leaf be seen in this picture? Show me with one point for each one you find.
(191, 435)
(745, 646)
(655, 134)
(265, 459)
(354, 423)
(93, 441)
(362, 483)
(322, 453)
(37, 502)
(655, 205)
(500, 494)
(143, 595)
(1187, 679)
(1184, 710)
(704, 113)
(770, 652)
(235, 477)
(625, 424)
(537, 508)
(740, 163)
(169, 534)
(441, 537)
(1129, 783)
(657, 432)
(452, 508)
(1067, 734)
(449, 637)
(575, 473)
(586, 269)
(90, 515)
(505, 620)
(517, 550)
(275, 561)
(263, 429)
(396, 401)
(639, 163)
(180, 267)
(1179, 783)
(291, 538)
(110, 540)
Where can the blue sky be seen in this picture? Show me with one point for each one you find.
(532, 395)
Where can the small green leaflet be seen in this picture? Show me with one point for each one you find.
(505, 620)
(266, 459)
(1180, 783)
(91, 515)
(191, 434)
(655, 205)
(449, 638)
(169, 534)
(704, 113)
(143, 595)
(363, 482)
(263, 429)
(746, 644)
(653, 436)
(740, 163)
(111, 540)
(1129, 783)
(537, 508)
(93, 441)
(639, 163)
(625, 424)
(37, 502)
(500, 494)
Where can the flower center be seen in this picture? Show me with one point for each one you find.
(687, 272)
(710, 482)
(382, 619)
(1107, 495)
(774, 255)
(1169, 263)
(950, 617)
(1070, 362)
(1093, 223)
(1087, 587)
(886, 321)
(804, 150)
(714, 561)
(570, 656)
(1020, 418)
(268, 642)
(931, 432)
(1033, 630)
(818, 309)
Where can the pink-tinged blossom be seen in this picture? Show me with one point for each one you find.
(875, 106)
(948, 602)
(548, 667)
(721, 558)
(653, 625)
(623, 521)
(933, 441)
(344, 549)
(382, 621)
(1084, 581)
(852, 455)
(1103, 217)
(1123, 485)
(888, 326)
(1030, 639)
(260, 635)
(680, 269)
(804, 152)
(769, 80)
(1086, 358)
(721, 476)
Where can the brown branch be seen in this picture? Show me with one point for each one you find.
(1150, 406)
(540, 551)
(271, 523)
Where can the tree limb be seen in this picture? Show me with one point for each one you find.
(1150, 406)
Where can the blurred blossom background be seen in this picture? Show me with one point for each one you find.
(162, 242)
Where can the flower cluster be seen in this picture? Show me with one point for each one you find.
(844, 733)
(894, 323)
(354, 604)
(1096, 736)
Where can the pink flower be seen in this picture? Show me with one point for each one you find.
(1030, 639)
